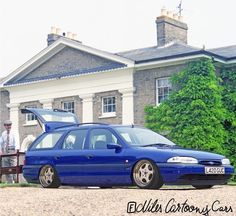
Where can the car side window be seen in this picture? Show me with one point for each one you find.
(99, 138)
(47, 141)
(75, 140)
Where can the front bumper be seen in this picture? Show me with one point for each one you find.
(192, 174)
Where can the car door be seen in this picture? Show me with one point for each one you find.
(51, 119)
(70, 158)
(104, 166)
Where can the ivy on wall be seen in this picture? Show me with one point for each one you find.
(229, 99)
(193, 115)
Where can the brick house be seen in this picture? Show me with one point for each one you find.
(100, 86)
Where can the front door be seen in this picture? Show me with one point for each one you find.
(104, 166)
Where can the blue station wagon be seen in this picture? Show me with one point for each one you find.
(96, 154)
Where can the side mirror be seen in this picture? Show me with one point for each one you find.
(114, 146)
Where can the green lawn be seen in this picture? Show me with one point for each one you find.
(4, 185)
(232, 183)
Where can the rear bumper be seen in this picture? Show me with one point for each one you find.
(31, 173)
(192, 174)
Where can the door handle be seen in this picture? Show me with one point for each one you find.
(57, 157)
(89, 156)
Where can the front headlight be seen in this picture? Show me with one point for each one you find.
(177, 159)
(225, 161)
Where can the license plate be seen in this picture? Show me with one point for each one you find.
(214, 170)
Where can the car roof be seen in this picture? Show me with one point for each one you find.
(91, 125)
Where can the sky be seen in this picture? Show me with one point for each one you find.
(110, 25)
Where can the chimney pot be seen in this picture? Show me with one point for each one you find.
(175, 16)
(180, 18)
(58, 31)
(53, 30)
(163, 11)
(74, 36)
(69, 35)
(170, 14)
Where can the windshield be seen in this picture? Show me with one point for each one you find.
(142, 136)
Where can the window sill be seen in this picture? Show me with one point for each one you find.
(107, 115)
(30, 123)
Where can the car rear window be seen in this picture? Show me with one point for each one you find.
(47, 141)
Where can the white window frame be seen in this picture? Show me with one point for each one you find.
(67, 102)
(108, 114)
(30, 118)
(157, 89)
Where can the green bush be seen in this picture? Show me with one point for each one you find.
(193, 115)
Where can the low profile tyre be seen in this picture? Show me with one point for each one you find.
(104, 187)
(203, 186)
(48, 177)
(146, 175)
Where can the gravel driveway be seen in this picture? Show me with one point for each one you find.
(95, 201)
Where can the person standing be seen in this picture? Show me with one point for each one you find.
(8, 143)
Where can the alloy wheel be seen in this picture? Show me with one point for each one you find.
(143, 173)
(46, 176)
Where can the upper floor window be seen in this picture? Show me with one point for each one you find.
(69, 106)
(108, 105)
(163, 89)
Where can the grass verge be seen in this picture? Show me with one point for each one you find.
(4, 185)
(232, 183)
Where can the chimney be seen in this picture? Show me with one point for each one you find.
(170, 28)
(54, 35)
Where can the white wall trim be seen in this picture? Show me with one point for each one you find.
(174, 61)
(31, 123)
(82, 86)
(47, 103)
(127, 91)
(67, 77)
(107, 115)
(87, 97)
(13, 106)
(87, 110)
(127, 105)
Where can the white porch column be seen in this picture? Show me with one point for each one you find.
(127, 105)
(14, 117)
(87, 107)
(47, 103)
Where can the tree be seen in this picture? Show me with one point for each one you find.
(193, 114)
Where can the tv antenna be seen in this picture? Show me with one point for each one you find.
(180, 8)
